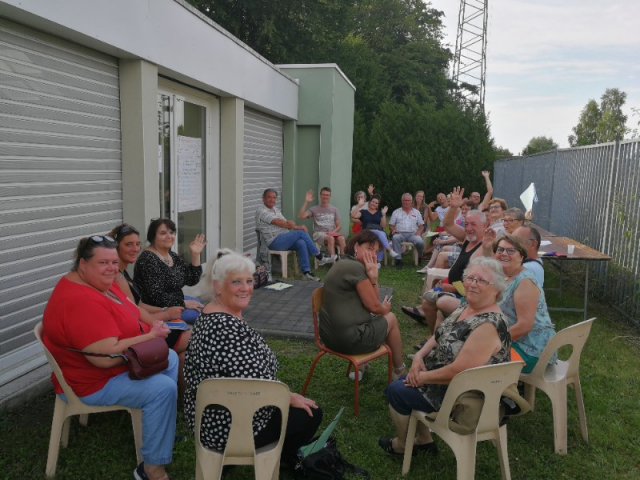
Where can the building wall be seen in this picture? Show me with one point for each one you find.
(326, 102)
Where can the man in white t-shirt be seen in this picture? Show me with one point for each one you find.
(406, 225)
(326, 221)
(531, 239)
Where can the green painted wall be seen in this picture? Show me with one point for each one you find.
(325, 102)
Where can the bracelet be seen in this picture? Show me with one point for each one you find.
(164, 309)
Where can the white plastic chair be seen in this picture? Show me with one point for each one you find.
(406, 246)
(242, 397)
(554, 380)
(491, 380)
(73, 406)
(433, 275)
(284, 260)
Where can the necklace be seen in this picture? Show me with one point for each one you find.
(166, 260)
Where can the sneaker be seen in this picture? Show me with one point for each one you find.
(398, 265)
(394, 255)
(310, 277)
(327, 259)
(423, 270)
(352, 375)
(139, 473)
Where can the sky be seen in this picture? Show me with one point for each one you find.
(547, 58)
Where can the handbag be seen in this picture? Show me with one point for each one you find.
(326, 464)
(143, 359)
(260, 277)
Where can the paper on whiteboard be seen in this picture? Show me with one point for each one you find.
(528, 196)
(189, 174)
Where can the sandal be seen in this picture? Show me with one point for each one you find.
(414, 313)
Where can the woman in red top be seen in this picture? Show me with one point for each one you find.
(87, 311)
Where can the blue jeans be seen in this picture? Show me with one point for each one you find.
(300, 242)
(383, 240)
(403, 399)
(157, 397)
(400, 237)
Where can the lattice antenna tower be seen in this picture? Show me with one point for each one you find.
(470, 59)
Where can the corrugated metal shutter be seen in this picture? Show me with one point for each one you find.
(261, 166)
(60, 173)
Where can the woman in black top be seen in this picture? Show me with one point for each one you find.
(128, 246)
(160, 273)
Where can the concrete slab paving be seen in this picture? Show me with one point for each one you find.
(286, 313)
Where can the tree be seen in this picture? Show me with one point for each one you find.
(600, 124)
(612, 125)
(501, 152)
(585, 132)
(539, 144)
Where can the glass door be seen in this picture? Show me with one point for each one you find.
(182, 166)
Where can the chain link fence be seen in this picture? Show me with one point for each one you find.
(590, 194)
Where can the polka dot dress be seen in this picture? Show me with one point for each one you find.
(223, 346)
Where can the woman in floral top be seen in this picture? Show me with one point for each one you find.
(475, 334)
(224, 346)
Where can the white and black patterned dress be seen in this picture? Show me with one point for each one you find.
(224, 346)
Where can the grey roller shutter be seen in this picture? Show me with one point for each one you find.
(261, 166)
(60, 174)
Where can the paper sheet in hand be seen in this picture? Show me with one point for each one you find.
(318, 444)
(528, 196)
(432, 234)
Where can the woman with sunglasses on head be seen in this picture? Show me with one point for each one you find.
(475, 334)
(160, 273)
(523, 301)
(128, 244)
(87, 311)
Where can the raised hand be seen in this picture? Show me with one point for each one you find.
(455, 199)
(385, 209)
(488, 239)
(198, 244)
(309, 196)
(370, 189)
(485, 174)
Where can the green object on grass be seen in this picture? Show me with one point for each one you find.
(322, 439)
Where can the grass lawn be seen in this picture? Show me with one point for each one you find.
(609, 373)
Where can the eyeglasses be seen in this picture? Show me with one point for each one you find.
(495, 207)
(509, 220)
(480, 281)
(509, 251)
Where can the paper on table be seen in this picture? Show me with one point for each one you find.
(528, 197)
(544, 243)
